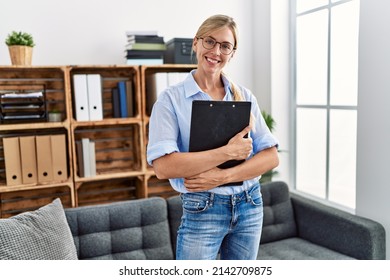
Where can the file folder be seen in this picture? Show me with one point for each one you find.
(130, 98)
(80, 160)
(28, 158)
(92, 158)
(123, 99)
(80, 88)
(155, 84)
(86, 157)
(13, 169)
(58, 149)
(44, 158)
(116, 113)
(95, 101)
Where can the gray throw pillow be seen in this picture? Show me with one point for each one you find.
(42, 234)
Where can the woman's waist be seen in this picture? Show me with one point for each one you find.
(178, 185)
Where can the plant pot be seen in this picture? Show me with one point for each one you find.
(20, 55)
(55, 117)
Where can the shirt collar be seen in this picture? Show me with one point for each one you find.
(191, 87)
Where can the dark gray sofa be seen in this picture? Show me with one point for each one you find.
(294, 228)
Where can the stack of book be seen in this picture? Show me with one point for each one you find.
(144, 48)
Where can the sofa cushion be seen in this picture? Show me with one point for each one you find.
(42, 234)
(278, 221)
(297, 249)
(136, 229)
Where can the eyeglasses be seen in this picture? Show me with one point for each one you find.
(209, 43)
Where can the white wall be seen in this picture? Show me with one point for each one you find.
(373, 145)
(280, 86)
(93, 31)
(261, 34)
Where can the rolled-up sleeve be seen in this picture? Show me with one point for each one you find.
(163, 131)
(261, 135)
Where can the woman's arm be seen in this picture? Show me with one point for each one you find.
(182, 165)
(257, 165)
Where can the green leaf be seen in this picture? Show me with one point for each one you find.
(19, 39)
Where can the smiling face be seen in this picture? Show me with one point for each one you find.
(212, 60)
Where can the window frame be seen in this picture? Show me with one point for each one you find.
(293, 97)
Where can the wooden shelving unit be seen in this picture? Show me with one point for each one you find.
(20, 198)
(120, 143)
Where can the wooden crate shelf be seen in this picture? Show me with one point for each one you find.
(101, 192)
(32, 132)
(53, 79)
(147, 70)
(111, 75)
(16, 202)
(161, 188)
(118, 149)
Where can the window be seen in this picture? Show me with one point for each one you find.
(325, 56)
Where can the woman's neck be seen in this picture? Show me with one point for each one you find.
(210, 84)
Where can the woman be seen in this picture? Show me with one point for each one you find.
(228, 219)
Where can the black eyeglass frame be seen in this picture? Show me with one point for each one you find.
(216, 42)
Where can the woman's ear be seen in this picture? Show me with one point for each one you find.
(194, 43)
(231, 56)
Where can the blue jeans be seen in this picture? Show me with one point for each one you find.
(228, 224)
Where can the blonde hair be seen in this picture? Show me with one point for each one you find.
(215, 23)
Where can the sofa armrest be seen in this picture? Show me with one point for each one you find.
(352, 235)
(175, 211)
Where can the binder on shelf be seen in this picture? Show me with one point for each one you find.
(116, 112)
(58, 149)
(81, 97)
(44, 158)
(155, 84)
(86, 157)
(123, 99)
(13, 169)
(95, 101)
(80, 160)
(130, 98)
(28, 159)
(92, 158)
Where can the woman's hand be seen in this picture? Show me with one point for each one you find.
(239, 147)
(205, 181)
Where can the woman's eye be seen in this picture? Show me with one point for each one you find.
(210, 42)
(226, 46)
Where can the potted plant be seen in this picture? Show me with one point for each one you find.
(55, 116)
(270, 122)
(20, 46)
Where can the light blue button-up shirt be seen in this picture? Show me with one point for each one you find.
(169, 126)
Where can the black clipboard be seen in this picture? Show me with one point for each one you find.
(214, 123)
